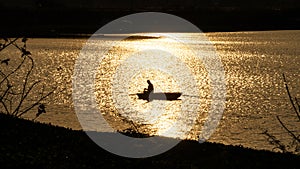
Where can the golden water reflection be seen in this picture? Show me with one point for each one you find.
(253, 63)
(158, 117)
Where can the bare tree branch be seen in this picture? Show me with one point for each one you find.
(274, 141)
(14, 71)
(10, 42)
(298, 106)
(5, 106)
(290, 97)
(36, 103)
(13, 97)
(289, 131)
(294, 146)
(23, 94)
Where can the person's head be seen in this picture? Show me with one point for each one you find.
(148, 81)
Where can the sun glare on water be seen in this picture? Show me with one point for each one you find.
(168, 64)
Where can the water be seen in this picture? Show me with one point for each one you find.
(253, 64)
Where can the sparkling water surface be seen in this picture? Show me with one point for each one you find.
(253, 64)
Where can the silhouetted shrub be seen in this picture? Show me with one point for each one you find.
(16, 83)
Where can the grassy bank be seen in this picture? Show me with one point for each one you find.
(25, 144)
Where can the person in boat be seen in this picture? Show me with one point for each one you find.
(150, 87)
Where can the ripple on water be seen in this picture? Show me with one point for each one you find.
(253, 63)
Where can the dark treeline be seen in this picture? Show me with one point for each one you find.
(168, 5)
(57, 17)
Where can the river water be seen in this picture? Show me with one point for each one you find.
(255, 93)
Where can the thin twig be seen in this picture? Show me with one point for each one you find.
(10, 42)
(5, 106)
(273, 140)
(290, 132)
(14, 71)
(290, 97)
(36, 103)
(24, 93)
(4, 75)
(16, 111)
(15, 99)
(5, 92)
(298, 106)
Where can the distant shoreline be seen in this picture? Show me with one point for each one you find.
(70, 24)
(87, 36)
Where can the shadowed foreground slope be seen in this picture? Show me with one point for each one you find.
(25, 144)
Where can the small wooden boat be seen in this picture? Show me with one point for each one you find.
(158, 96)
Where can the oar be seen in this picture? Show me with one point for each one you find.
(190, 96)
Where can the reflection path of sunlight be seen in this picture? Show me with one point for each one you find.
(171, 67)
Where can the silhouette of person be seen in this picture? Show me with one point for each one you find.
(150, 87)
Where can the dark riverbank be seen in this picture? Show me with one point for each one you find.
(25, 144)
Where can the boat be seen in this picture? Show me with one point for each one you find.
(159, 96)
